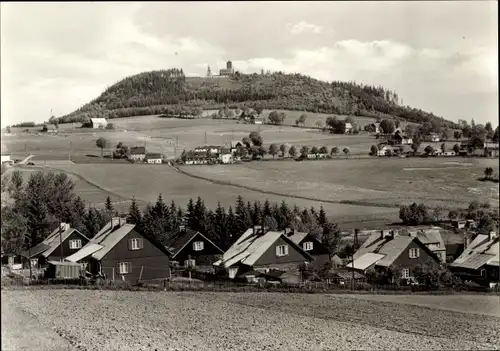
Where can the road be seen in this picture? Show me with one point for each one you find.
(21, 331)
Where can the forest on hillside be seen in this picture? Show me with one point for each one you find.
(150, 93)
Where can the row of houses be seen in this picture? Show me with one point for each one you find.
(139, 154)
(120, 252)
(214, 154)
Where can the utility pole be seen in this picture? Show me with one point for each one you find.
(205, 138)
(26, 149)
(352, 258)
(69, 153)
(60, 240)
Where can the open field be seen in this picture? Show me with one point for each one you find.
(371, 181)
(123, 181)
(163, 134)
(249, 321)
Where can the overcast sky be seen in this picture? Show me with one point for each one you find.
(439, 56)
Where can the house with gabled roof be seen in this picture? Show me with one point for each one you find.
(98, 123)
(480, 260)
(431, 237)
(262, 250)
(389, 250)
(120, 252)
(65, 237)
(310, 244)
(192, 245)
(137, 153)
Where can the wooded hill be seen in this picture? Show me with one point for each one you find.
(150, 93)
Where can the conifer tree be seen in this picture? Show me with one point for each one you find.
(109, 206)
(134, 214)
(266, 211)
(322, 216)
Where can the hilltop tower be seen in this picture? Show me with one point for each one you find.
(228, 71)
(209, 71)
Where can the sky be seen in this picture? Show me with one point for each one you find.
(440, 57)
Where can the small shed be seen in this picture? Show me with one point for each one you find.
(64, 270)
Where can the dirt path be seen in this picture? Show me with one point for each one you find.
(22, 331)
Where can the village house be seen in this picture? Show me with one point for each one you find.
(340, 259)
(98, 123)
(258, 120)
(193, 249)
(390, 250)
(154, 158)
(449, 153)
(50, 128)
(375, 127)
(432, 238)
(491, 149)
(399, 138)
(119, 252)
(480, 260)
(433, 137)
(310, 244)
(235, 144)
(137, 153)
(316, 156)
(226, 156)
(348, 128)
(50, 248)
(196, 159)
(262, 251)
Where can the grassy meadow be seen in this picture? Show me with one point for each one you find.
(368, 183)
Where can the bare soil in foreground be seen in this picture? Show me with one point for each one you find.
(123, 320)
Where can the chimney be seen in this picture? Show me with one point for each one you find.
(381, 234)
(119, 222)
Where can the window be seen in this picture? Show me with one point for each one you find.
(198, 245)
(405, 273)
(124, 267)
(75, 244)
(34, 263)
(308, 246)
(414, 253)
(282, 250)
(483, 272)
(135, 244)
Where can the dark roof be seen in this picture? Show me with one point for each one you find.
(35, 251)
(138, 150)
(153, 156)
(183, 238)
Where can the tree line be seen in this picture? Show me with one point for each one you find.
(37, 206)
(151, 92)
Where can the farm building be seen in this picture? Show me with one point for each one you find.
(5, 158)
(317, 156)
(258, 120)
(137, 153)
(212, 150)
(262, 250)
(50, 249)
(311, 245)
(491, 150)
(389, 250)
(480, 260)
(98, 123)
(348, 128)
(191, 245)
(225, 158)
(433, 137)
(154, 158)
(399, 138)
(119, 252)
(459, 224)
(449, 153)
(432, 239)
(340, 259)
(50, 128)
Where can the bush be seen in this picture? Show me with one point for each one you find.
(110, 126)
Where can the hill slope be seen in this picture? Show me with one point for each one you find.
(152, 92)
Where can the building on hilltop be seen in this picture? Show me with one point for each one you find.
(228, 71)
(98, 123)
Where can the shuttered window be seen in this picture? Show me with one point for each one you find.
(281, 250)
(198, 245)
(308, 246)
(124, 267)
(414, 253)
(75, 244)
(135, 244)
